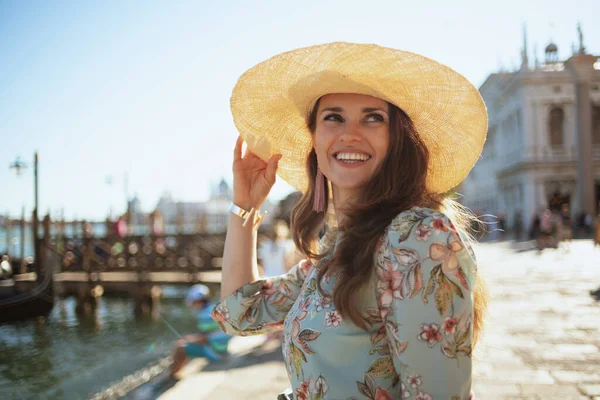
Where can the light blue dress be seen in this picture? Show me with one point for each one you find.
(418, 303)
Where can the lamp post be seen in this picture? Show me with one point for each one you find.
(19, 168)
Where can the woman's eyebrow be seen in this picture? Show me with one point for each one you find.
(371, 109)
(334, 109)
(365, 110)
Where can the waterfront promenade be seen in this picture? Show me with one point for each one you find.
(542, 339)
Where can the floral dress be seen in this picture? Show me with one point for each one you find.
(418, 303)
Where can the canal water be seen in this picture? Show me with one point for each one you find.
(66, 356)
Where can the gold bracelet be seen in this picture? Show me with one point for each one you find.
(245, 214)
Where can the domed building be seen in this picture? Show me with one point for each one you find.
(543, 143)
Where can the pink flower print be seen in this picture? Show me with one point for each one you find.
(305, 266)
(322, 303)
(220, 313)
(268, 288)
(430, 334)
(449, 326)
(423, 396)
(302, 392)
(413, 380)
(446, 254)
(439, 224)
(332, 318)
(390, 283)
(405, 392)
(423, 232)
(382, 394)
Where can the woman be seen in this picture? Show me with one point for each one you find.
(276, 252)
(387, 306)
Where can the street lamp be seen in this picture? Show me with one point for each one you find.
(19, 167)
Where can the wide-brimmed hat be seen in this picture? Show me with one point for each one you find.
(272, 101)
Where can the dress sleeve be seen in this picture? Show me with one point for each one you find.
(261, 306)
(425, 276)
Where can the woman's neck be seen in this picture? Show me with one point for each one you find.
(341, 200)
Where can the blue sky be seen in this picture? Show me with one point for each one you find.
(104, 89)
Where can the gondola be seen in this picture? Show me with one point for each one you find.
(35, 302)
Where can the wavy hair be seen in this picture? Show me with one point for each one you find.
(386, 195)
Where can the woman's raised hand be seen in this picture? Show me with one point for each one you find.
(252, 177)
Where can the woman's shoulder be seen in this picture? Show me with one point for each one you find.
(416, 216)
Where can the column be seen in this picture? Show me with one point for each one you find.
(541, 197)
(581, 67)
(535, 128)
(529, 199)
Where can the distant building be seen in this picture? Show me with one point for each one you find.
(543, 143)
(185, 214)
(134, 211)
(210, 216)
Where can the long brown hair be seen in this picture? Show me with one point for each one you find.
(399, 185)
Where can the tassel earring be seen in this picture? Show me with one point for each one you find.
(319, 199)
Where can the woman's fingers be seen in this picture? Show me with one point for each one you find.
(272, 164)
(248, 154)
(237, 152)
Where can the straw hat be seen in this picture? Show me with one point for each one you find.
(271, 102)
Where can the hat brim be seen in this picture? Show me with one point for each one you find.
(271, 102)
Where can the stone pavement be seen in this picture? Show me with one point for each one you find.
(541, 341)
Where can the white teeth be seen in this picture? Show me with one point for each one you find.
(352, 156)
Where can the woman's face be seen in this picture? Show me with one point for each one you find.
(351, 140)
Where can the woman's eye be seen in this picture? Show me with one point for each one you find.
(333, 117)
(375, 118)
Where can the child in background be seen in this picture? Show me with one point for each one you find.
(209, 342)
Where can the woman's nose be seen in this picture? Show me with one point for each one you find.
(351, 132)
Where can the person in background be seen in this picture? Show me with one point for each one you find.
(276, 253)
(518, 225)
(588, 221)
(209, 342)
(565, 231)
(502, 226)
(545, 237)
(597, 228)
(120, 227)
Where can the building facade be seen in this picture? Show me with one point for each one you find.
(543, 143)
(210, 216)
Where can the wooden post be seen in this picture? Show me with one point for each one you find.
(108, 226)
(45, 240)
(23, 264)
(146, 299)
(22, 234)
(60, 242)
(8, 235)
(36, 245)
(86, 250)
(35, 223)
